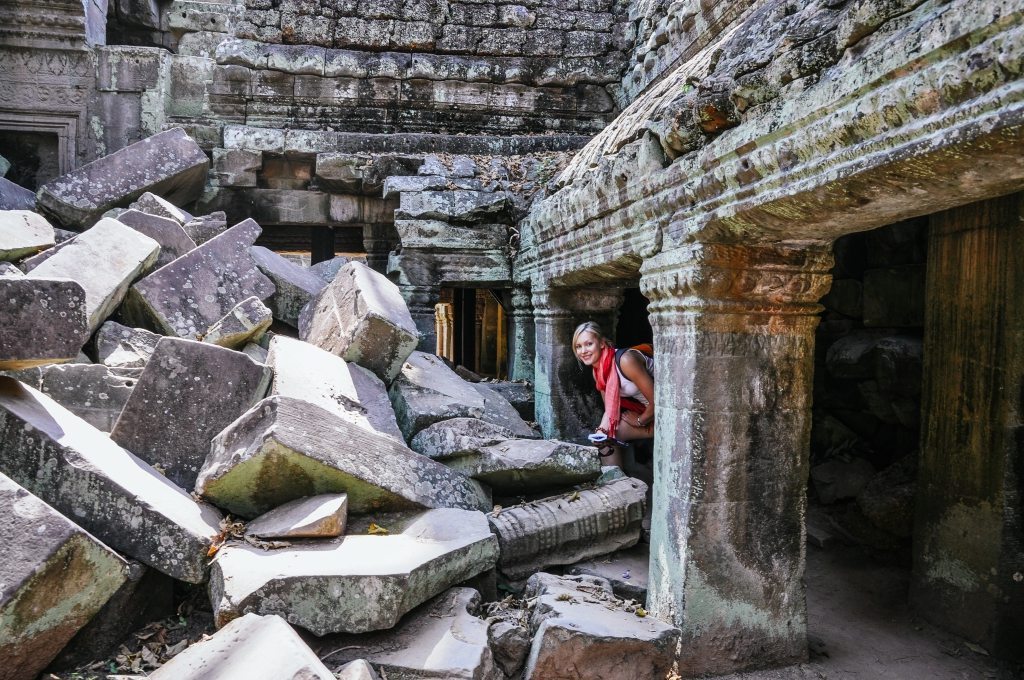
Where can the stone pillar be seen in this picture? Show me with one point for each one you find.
(734, 348)
(522, 335)
(421, 301)
(568, 406)
(968, 534)
(378, 241)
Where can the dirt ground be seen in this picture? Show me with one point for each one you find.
(861, 628)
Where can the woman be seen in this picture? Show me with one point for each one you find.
(627, 387)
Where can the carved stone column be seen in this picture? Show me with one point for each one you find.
(969, 529)
(568, 406)
(734, 344)
(522, 335)
(378, 241)
(421, 301)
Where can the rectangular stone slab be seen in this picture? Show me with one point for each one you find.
(188, 392)
(173, 240)
(169, 164)
(357, 583)
(109, 492)
(295, 285)
(93, 392)
(528, 465)
(14, 197)
(284, 448)
(427, 392)
(53, 578)
(566, 529)
(44, 321)
(23, 232)
(361, 317)
(124, 347)
(252, 647)
(195, 291)
(104, 260)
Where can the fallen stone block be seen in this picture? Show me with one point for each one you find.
(457, 437)
(321, 516)
(245, 323)
(358, 583)
(361, 317)
(205, 227)
(283, 449)
(523, 465)
(43, 321)
(109, 492)
(359, 669)
(173, 240)
(294, 286)
(519, 394)
(304, 371)
(252, 647)
(154, 205)
(23, 233)
(427, 392)
(8, 269)
(93, 392)
(569, 528)
(509, 643)
(451, 206)
(582, 631)
(14, 197)
(53, 578)
(195, 291)
(328, 269)
(120, 346)
(170, 164)
(440, 640)
(499, 411)
(188, 392)
(626, 571)
(146, 596)
(104, 260)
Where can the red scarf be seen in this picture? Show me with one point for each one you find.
(607, 380)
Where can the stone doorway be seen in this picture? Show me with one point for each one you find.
(35, 157)
(472, 330)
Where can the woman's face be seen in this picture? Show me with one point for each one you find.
(588, 347)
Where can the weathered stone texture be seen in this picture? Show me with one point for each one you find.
(294, 286)
(22, 233)
(361, 317)
(121, 346)
(93, 392)
(43, 321)
(359, 583)
(14, 197)
(109, 492)
(427, 391)
(169, 164)
(187, 394)
(251, 646)
(55, 578)
(195, 291)
(283, 449)
(322, 516)
(173, 240)
(104, 260)
(245, 323)
(569, 528)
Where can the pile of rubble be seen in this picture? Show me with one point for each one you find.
(324, 474)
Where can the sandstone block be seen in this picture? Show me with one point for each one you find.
(361, 317)
(457, 437)
(22, 233)
(43, 321)
(359, 583)
(173, 240)
(304, 371)
(626, 571)
(510, 643)
(294, 286)
(252, 647)
(104, 260)
(582, 631)
(14, 197)
(328, 269)
(112, 494)
(195, 291)
(169, 164)
(120, 346)
(437, 236)
(427, 392)
(359, 669)
(321, 516)
(245, 323)
(451, 206)
(188, 392)
(440, 640)
(569, 528)
(152, 204)
(53, 578)
(236, 167)
(205, 227)
(525, 465)
(283, 449)
(499, 411)
(93, 392)
(8, 269)
(519, 394)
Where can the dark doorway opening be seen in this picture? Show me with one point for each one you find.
(34, 157)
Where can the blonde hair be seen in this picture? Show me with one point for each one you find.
(586, 327)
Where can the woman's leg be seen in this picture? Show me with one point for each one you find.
(625, 432)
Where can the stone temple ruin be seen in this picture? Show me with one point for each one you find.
(288, 291)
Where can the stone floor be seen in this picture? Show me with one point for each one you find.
(861, 628)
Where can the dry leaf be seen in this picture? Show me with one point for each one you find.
(375, 530)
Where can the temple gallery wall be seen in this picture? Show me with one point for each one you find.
(814, 210)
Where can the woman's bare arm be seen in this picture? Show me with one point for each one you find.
(634, 368)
